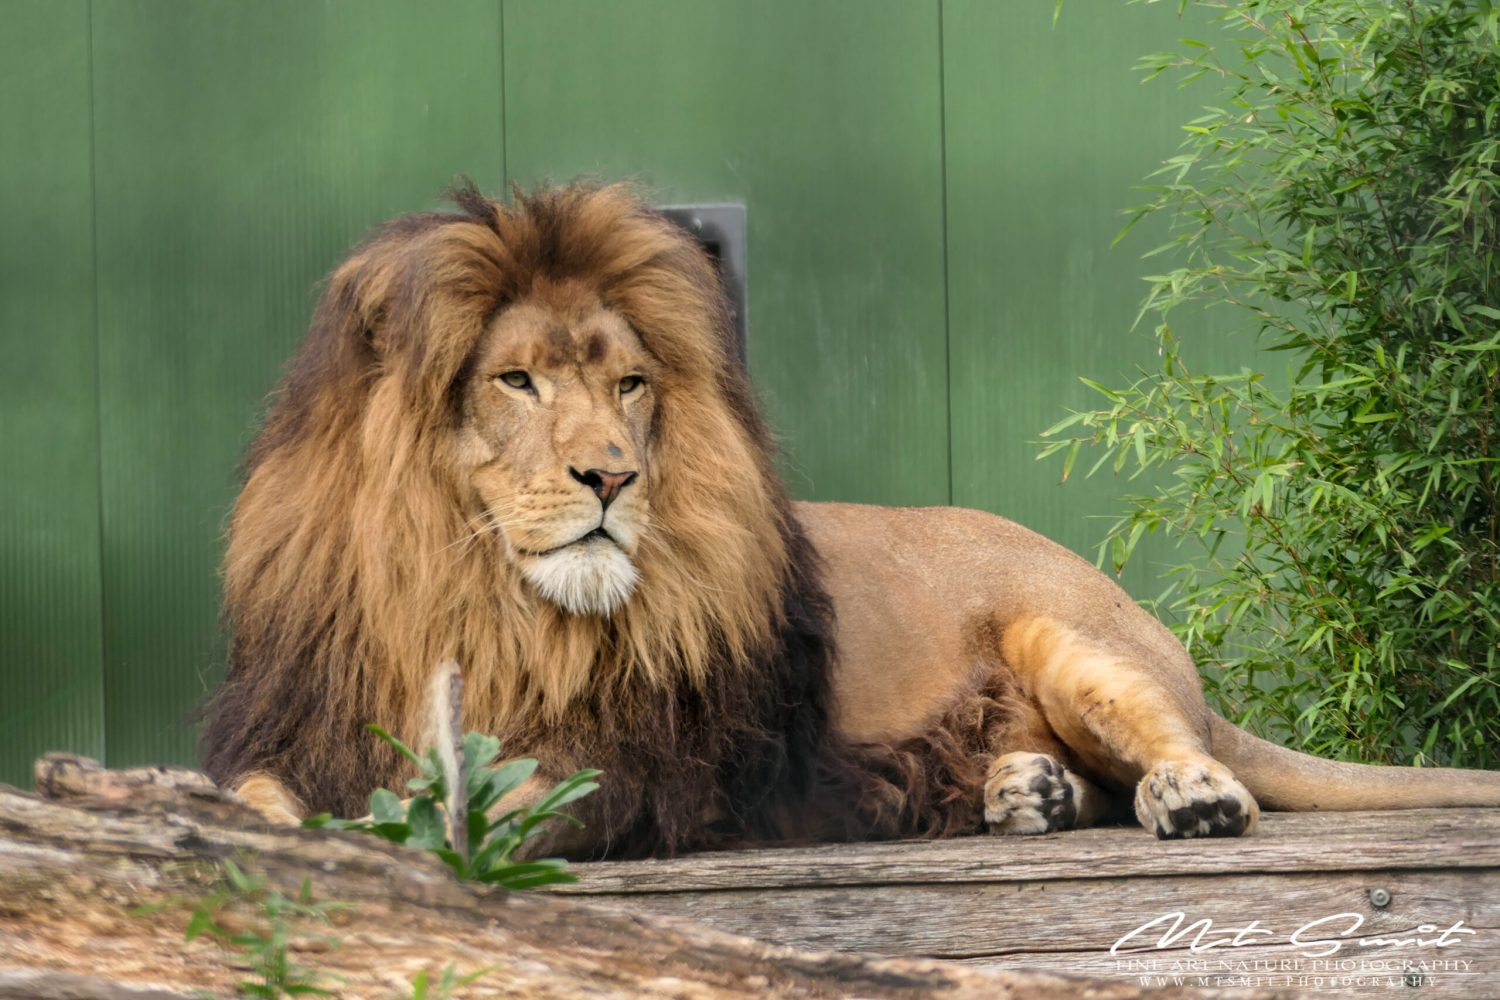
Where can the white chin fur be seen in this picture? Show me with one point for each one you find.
(593, 577)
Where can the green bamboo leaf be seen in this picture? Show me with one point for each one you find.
(1072, 456)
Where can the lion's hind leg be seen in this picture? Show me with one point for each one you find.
(1132, 724)
(1033, 793)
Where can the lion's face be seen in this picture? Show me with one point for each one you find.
(557, 411)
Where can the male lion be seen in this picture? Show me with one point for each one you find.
(514, 438)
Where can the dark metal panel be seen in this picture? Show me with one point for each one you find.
(242, 148)
(824, 120)
(51, 689)
(721, 230)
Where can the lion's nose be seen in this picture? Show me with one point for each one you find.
(605, 484)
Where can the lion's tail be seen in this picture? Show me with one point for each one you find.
(1288, 781)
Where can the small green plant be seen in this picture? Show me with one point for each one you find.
(1340, 195)
(485, 844)
(265, 947)
(424, 988)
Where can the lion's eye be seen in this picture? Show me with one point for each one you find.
(516, 380)
(630, 383)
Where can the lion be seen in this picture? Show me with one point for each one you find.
(515, 438)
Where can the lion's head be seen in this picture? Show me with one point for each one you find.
(515, 437)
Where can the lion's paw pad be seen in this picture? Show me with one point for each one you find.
(1194, 799)
(1028, 793)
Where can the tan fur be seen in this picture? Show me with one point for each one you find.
(269, 797)
(408, 505)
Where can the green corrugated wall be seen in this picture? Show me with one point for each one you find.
(932, 186)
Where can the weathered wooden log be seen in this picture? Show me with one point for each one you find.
(1338, 904)
(79, 860)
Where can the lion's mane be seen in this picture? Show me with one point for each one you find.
(353, 567)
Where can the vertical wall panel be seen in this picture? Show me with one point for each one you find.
(241, 148)
(1048, 131)
(50, 681)
(824, 119)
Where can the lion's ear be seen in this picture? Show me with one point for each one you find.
(346, 325)
(410, 304)
(351, 331)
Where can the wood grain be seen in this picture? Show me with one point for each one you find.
(1285, 842)
(1062, 902)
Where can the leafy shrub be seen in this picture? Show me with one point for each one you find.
(489, 843)
(1340, 196)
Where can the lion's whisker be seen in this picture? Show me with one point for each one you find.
(490, 526)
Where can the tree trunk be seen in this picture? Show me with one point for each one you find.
(79, 861)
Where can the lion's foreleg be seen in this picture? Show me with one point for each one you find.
(269, 797)
(1125, 723)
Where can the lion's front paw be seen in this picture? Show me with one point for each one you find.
(271, 799)
(1193, 798)
(1028, 793)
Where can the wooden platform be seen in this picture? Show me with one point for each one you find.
(1353, 904)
